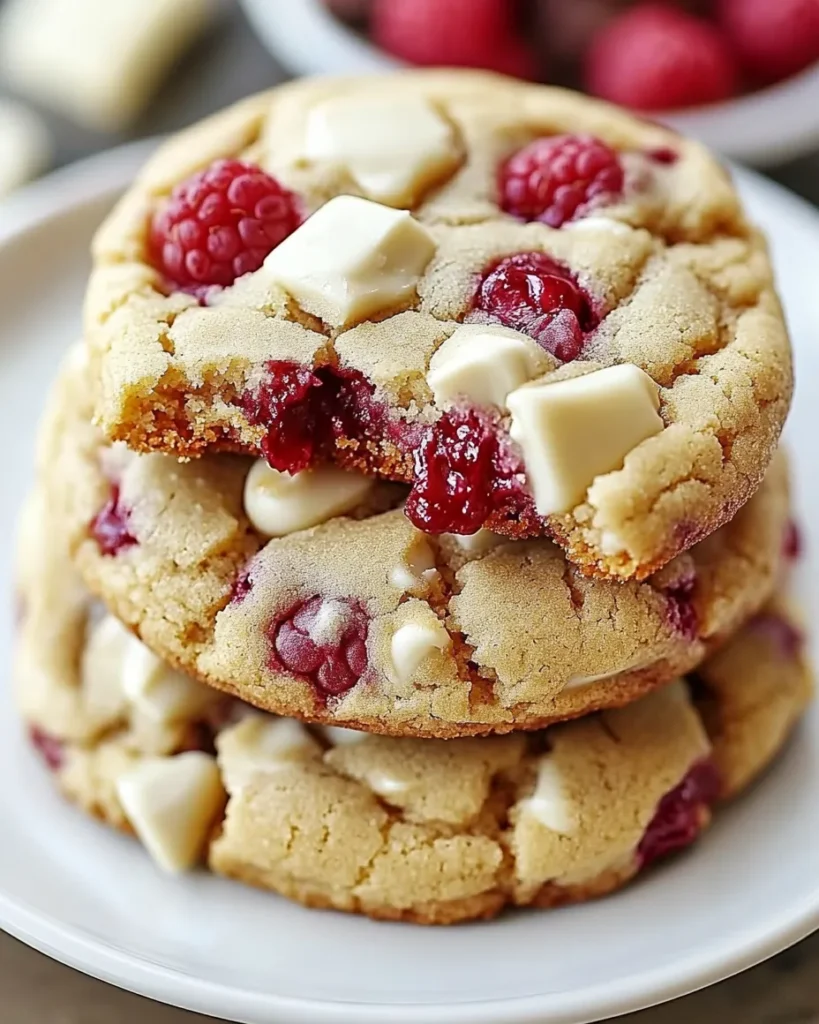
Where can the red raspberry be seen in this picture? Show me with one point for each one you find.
(220, 224)
(557, 179)
(533, 293)
(656, 57)
(288, 405)
(681, 610)
(678, 819)
(111, 526)
(458, 33)
(326, 641)
(49, 747)
(772, 38)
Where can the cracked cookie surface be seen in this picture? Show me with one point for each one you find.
(652, 263)
(365, 622)
(429, 831)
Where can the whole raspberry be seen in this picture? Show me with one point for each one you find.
(557, 179)
(772, 38)
(219, 224)
(656, 57)
(532, 293)
(458, 33)
(324, 640)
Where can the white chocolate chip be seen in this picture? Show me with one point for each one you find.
(352, 259)
(281, 503)
(383, 784)
(412, 643)
(572, 431)
(394, 149)
(614, 227)
(478, 543)
(417, 571)
(159, 691)
(259, 744)
(101, 668)
(172, 803)
(342, 737)
(483, 363)
(548, 803)
(97, 61)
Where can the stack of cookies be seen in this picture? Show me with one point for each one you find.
(409, 526)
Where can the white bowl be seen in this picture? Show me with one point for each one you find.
(764, 127)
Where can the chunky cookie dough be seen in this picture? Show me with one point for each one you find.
(363, 621)
(547, 316)
(431, 831)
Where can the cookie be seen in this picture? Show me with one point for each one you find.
(546, 316)
(360, 620)
(431, 831)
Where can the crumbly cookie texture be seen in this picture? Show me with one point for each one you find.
(653, 265)
(430, 831)
(365, 622)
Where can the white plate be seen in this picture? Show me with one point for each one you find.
(763, 127)
(93, 900)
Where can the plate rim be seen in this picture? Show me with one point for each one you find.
(102, 175)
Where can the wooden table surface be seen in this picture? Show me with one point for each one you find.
(229, 64)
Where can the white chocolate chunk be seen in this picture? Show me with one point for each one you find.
(572, 431)
(351, 259)
(603, 224)
(394, 149)
(412, 643)
(25, 145)
(281, 503)
(478, 543)
(340, 737)
(417, 570)
(97, 61)
(161, 692)
(383, 784)
(259, 744)
(172, 803)
(483, 363)
(101, 668)
(548, 803)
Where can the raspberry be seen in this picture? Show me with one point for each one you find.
(220, 224)
(557, 179)
(461, 474)
(655, 57)
(772, 38)
(325, 641)
(49, 747)
(287, 404)
(792, 544)
(111, 526)
(679, 816)
(787, 639)
(533, 293)
(682, 613)
(458, 33)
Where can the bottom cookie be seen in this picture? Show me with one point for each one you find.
(432, 831)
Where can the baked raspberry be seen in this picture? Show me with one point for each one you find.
(792, 544)
(679, 817)
(663, 155)
(288, 405)
(682, 612)
(462, 474)
(458, 33)
(242, 586)
(111, 526)
(533, 293)
(324, 640)
(49, 747)
(219, 224)
(657, 57)
(773, 38)
(787, 639)
(557, 179)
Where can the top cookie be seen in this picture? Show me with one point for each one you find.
(546, 315)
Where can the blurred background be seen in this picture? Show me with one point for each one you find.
(80, 76)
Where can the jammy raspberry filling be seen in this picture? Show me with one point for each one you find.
(323, 641)
(679, 816)
(682, 613)
(111, 526)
